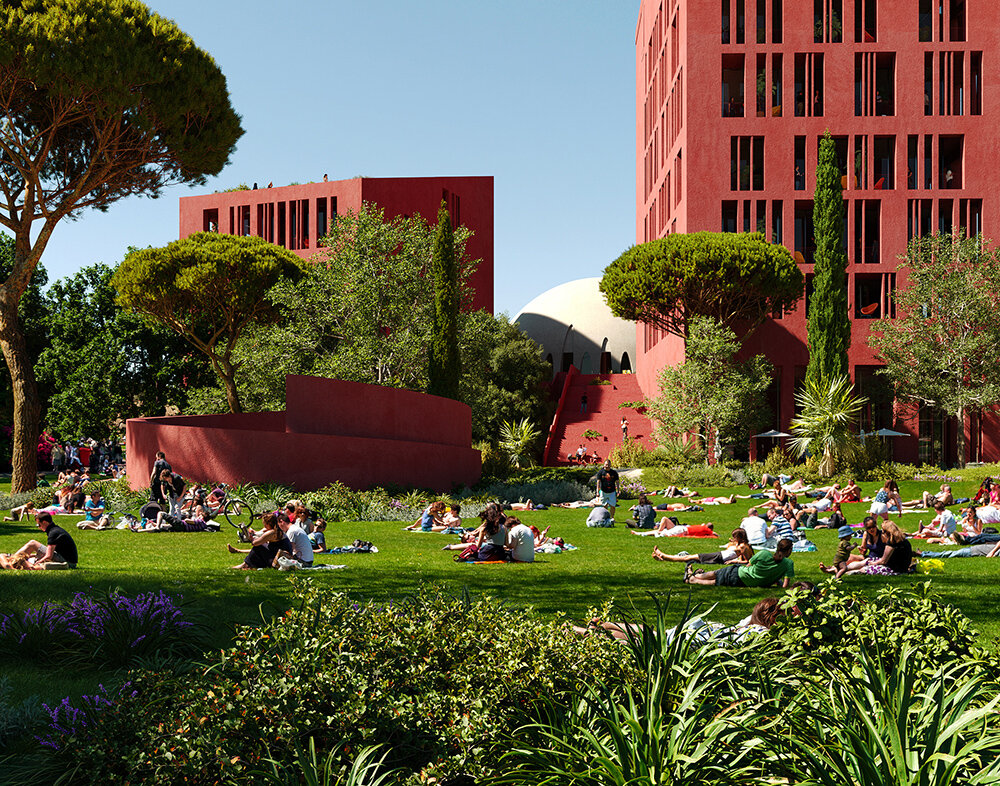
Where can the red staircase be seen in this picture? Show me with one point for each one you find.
(603, 415)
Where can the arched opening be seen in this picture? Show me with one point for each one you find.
(607, 366)
(586, 367)
(626, 363)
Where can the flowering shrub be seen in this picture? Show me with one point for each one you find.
(110, 629)
(45, 443)
(438, 679)
(631, 489)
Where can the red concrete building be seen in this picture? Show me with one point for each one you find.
(295, 216)
(732, 98)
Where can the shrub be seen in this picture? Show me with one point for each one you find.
(675, 451)
(119, 495)
(631, 453)
(780, 462)
(578, 474)
(708, 475)
(106, 629)
(496, 462)
(435, 678)
(17, 717)
(638, 406)
(542, 492)
(630, 489)
(591, 433)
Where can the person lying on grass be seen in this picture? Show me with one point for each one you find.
(927, 499)
(264, 547)
(737, 550)
(200, 521)
(979, 550)
(763, 616)
(669, 528)
(763, 570)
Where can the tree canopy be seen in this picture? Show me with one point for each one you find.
(941, 350)
(207, 288)
(100, 99)
(736, 279)
(444, 367)
(829, 327)
(102, 364)
(711, 393)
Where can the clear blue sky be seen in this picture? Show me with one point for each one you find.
(537, 93)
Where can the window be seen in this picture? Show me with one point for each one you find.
(732, 85)
(956, 20)
(865, 21)
(970, 216)
(210, 220)
(805, 242)
(918, 217)
(828, 26)
(885, 166)
(924, 20)
(928, 172)
(874, 84)
(776, 222)
(762, 101)
(741, 21)
(976, 83)
(950, 159)
(321, 228)
(761, 215)
(800, 163)
(729, 217)
(867, 231)
(776, 21)
(761, 21)
(746, 215)
(912, 142)
(725, 21)
(776, 85)
(809, 85)
(282, 207)
(873, 295)
(946, 216)
(861, 161)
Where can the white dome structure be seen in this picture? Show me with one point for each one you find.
(575, 326)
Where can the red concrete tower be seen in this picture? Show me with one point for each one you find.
(732, 98)
(294, 216)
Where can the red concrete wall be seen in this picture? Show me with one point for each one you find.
(469, 198)
(683, 148)
(364, 436)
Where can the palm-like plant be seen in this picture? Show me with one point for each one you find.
(824, 426)
(517, 439)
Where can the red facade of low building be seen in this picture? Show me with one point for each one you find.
(732, 98)
(295, 216)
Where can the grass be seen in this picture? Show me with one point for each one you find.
(610, 564)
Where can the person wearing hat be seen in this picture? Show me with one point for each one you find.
(844, 549)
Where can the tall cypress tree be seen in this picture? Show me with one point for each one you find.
(444, 368)
(829, 321)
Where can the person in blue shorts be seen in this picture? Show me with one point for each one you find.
(607, 487)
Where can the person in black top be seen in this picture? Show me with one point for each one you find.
(59, 550)
(159, 465)
(607, 487)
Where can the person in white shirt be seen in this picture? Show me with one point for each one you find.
(302, 550)
(520, 541)
(755, 527)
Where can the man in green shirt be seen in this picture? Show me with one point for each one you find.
(763, 570)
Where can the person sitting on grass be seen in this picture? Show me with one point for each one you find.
(645, 516)
(264, 547)
(492, 541)
(736, 550)
(95, 518)
(670, 528)
(844, 548)
(756, 528)
(431, 520)
(942, 527)
(57, 553)
(896, 558)
(886, 499)
(300, 555)
(28, 508)
(317, 536)
(600, 517)
(453, 518)
(763, 570)
(520, 541)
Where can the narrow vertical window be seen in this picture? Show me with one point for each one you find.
(956, 20)
(761, 85)
(911, 161)
(776, 100)
(776, 21)
(776, 228)
(732, 85)
(741, 21)
(924, 20)
(800, 163)
(725, 21)
(761, 21)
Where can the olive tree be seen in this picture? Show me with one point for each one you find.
(736, 279)
(99, 100)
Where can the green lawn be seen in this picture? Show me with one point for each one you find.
(610, 563)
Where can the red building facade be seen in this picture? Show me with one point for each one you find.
(732, 98)
(295, 216)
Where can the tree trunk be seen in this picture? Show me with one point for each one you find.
(960, 437)
(227, 374)
(27, 407)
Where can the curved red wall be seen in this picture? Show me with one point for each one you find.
(361, 435)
